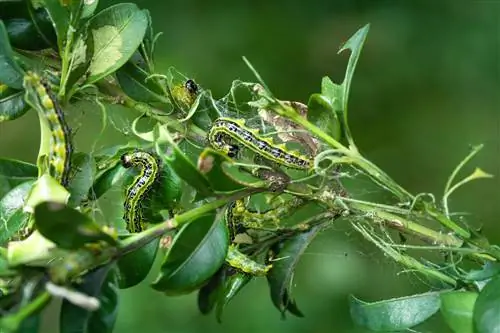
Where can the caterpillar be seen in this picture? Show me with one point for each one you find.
(142, 183)
(243, 263)
(265, 147)
(240, 217)
(45, 102)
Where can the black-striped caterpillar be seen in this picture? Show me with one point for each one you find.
(265, 147)
(142, 183)
(45, 102)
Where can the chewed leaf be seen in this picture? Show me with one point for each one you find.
(210, 164)
(117, 32)
(394, 314)
(12, 216)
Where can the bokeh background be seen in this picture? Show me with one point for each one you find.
(425, 89)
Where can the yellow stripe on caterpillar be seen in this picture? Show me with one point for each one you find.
(45, 102)
(142, 183)
(265, 147)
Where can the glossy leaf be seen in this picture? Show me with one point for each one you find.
(67, 227)
(457, 309)
(133, 80)
(59, 16)
(135, 266)
(322, 114)
(89, 8)
(487, 308)
(46, 35)
(101, 284)
(11, 211)
(23, 34)
(197, 253)
(15, 172)
(81, 56)
(117, 33)
(394, 314)
(208, 295)
(165, 196)
(12, 104)
(232, 286)
(81, 180)
(210, 164)
(186, 170)
(10, 72)
(108, 179)
(281, 274)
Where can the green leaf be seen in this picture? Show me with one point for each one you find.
(457, 309)
(81, 181)
(30, 324)
(11, 211)
(487, 308)
(164, 196)
(12, 104)
(10, 72)
(280, 276)
(210, 162)
(197, 253)
(59, 16)
(208, 294)
(117, 33)
(46, 188)
(133, 80)
(101, 284)
(355, 44)
(394, 314)
(106, 180)
(81, 56)
(232, 286)
(5, 270)
(13, 173)
(89, 8)
(24, 34)
(135, 266)
(67, 227)
(35, 250)
(45, 35)
(489, 270)
(323, 115)
(187, 171)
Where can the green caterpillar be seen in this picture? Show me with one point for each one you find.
(45, 102)
(142, 183)
(265, 147)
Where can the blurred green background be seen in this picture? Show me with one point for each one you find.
(425, 89)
